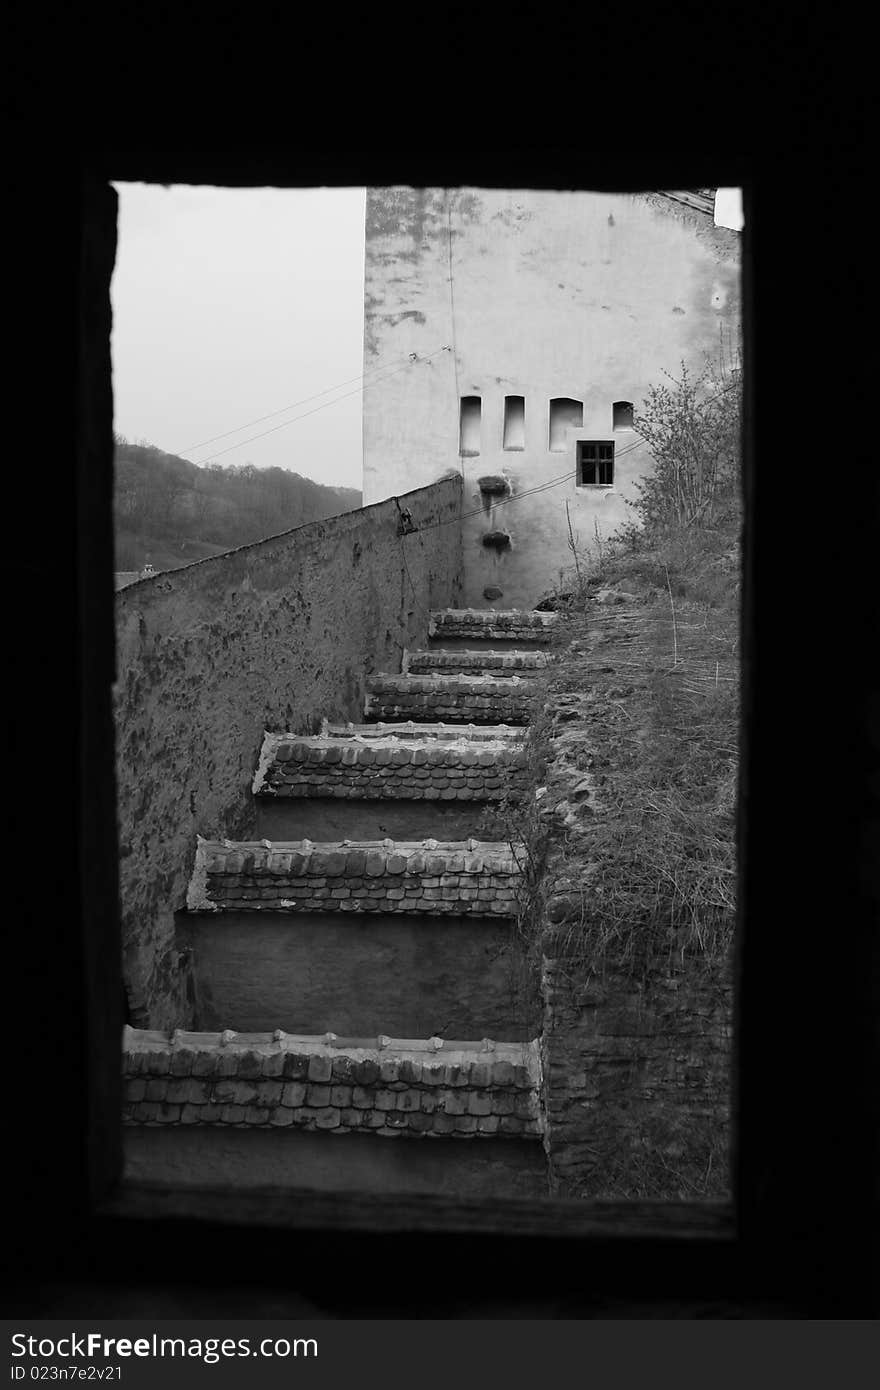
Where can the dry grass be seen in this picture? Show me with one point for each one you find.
(630, 892)
(679, 1160)
(645, 869)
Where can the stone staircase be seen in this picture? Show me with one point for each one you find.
(382, 893)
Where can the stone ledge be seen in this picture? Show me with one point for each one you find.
(487, 624)
(419, 1088)
(453, 699)
(330, 765)
(472, 663)
(410, 729)
(472, 877)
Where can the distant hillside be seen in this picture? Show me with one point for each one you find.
(172, 512)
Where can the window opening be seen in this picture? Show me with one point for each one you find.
(565, 414)
(469, 435)
(622, 412)
(595, 462)
(514, 422)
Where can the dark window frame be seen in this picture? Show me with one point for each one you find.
(801, 1214)
(602, 466)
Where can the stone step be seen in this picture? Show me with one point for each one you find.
(473, 878)
(452, 699)
(384, 1086)
(409, 729)
(489, 625)
(331, 765)
(472, 663)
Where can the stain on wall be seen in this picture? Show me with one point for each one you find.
(271, 636)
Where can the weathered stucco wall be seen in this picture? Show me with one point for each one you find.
(271, 636)
(536, 294)
(325, 819)
(408, 976)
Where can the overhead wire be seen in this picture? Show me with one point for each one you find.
(294, 405)
(357, 391)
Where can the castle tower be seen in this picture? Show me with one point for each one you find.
(525, 326)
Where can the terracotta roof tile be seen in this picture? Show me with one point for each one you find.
(473, 663)
(293, 765)
(388, 1086)
(487, 625)
(473, 877)
(453, 699)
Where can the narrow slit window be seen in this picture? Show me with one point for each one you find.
(565, 414)
(514, 422)
(595, 462)
(622, 415)
(469, 430)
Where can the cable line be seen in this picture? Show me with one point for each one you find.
(295, 404)
(366, 387)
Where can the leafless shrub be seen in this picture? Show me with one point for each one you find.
(693, 427)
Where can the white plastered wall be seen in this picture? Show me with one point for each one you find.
(538, 294)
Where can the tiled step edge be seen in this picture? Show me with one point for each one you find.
(472, 663)
(419, 1088)
(332, 766)
(488, 625)
(453, 699)
(410, 729)
(477, 878)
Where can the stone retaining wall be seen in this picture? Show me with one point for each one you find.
(637, 1027)
(275, 635)
(638, 1082)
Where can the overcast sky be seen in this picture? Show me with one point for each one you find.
(230, 304)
